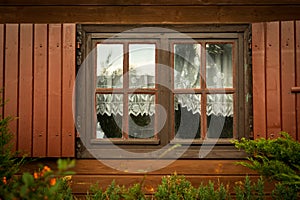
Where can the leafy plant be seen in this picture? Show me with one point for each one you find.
(250, 191)
(42, 184)
(283, 192)
(276, 159)
(115, 192)
(209, 192)
(175, 187)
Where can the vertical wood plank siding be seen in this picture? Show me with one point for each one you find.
(297, 35)
(25, 88)
(68, 78)
(275, 71)
(11, 76)
(37, 71)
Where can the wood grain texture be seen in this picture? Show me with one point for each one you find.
(258, 80)
(25, 89)
(68, 81)
(297, 38)
(148, 14)
(148, 2)
(40, 91)
(90, 171)
(11, 77)
(273, 84)
(288, 75)
(54, 90)
(2, 45)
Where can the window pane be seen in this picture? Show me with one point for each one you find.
(142, 65)
(109, 65)
(220, 116)
(141, 115)
(109, 110)
(187, 65)
(187, 116)
(219, 65)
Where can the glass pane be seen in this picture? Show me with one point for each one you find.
(142, 65)
(109, 65)
(219, 65)
(187, 116)
(109, 111)
(141, 115)
(187, 65)
(220, 116)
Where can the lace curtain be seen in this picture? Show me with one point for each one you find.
(187, 75)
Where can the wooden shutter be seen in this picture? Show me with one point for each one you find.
(37, 71)
(276, 70)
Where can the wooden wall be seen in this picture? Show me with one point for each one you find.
(276, 70)
(147, 11)
(37, 73)
(196, 171)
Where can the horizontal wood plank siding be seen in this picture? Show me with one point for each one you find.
(147, 2)
(91, 171)
(33, 63)
(275, 71)
(148, 14)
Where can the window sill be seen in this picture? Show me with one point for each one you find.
(120, 141)
(105, 150)
(205, 142)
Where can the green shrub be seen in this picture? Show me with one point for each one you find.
(250, 191)
(175, 187)
(115, 192)
(205, 192)
(283, 192)
(42, 184)
(275, 159)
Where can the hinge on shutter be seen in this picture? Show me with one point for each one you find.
(79, 37)
(249, 103)
(250, 46)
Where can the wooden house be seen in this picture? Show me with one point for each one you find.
(45, 44)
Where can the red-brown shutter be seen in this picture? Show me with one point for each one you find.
(276, 70)
(37, 72)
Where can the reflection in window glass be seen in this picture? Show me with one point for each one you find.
(187, 65)
(219, 65)
(187, 116)
(142, 65)
(109, 65)
(220, 116)
(141, 115)
(109, 110)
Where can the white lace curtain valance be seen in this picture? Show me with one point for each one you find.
(144, 104)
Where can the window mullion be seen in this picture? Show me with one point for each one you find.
(203, 121)
(125, 121)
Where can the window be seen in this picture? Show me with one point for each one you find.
(145, 88)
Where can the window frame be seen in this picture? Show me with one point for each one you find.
(87, 35)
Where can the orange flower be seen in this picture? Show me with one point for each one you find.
(35, 175)
(46, 168)
(4, 180)
(149, 188)
(52, 181)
